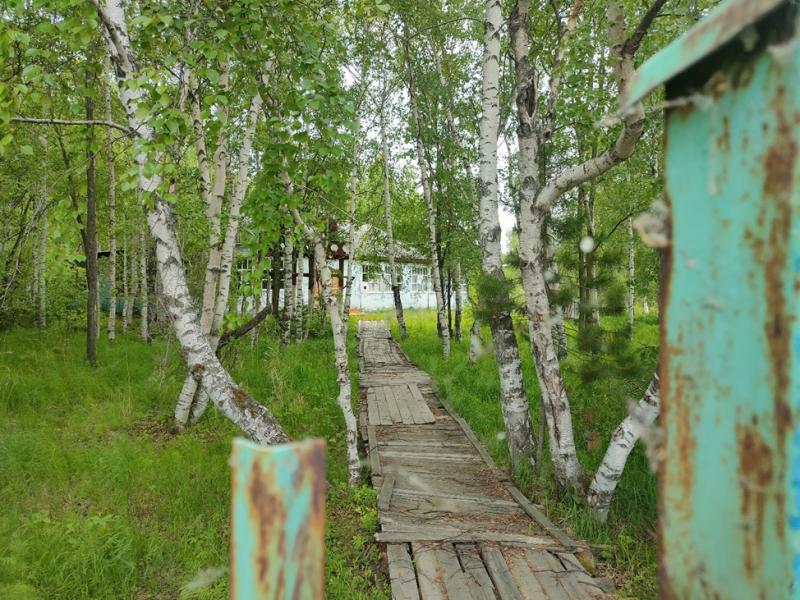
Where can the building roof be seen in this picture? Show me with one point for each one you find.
(371, 244)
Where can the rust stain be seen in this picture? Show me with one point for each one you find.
(756, 476)
(268, 516)
(724, 140)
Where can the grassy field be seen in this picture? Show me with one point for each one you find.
(101, 501)
(597, 409)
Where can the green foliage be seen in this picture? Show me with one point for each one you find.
(494, 296)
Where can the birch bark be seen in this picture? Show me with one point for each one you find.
(91, 246)
(227, 259)
(253, 418)
(631, 275)
(426, 188)
(112, 216)
(143, 276)
(387, 203)
(298, 310)
(601, 490)
(457, 286)
(513, 399)
(288, 302)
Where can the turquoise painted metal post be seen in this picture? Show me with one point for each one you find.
(730, 354)
(277, 521)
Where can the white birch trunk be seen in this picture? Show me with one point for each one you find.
(387, 201)
(631, 274)
(253, 418)
(298, 310)
(601, 490)
(310, 301)
(513, 399)
(426, 188)
(35, 256)
(143, 277)
(339, 346)
(227, 259)
(43, 259)
(288, 302)
(645, 308)
(130, 289)
(112, 216)
(457, 286)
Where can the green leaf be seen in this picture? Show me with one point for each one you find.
(383, 7)
(213, 76)
(26, 150)
(142, 112)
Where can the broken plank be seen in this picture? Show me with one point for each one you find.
(401, 573)
(374, 459)
(455, 581)
(573, 588)
(528, 585)
(424, 409)
(414, 456)
(543, 568)
(385, 497)
(500, 574)
(478, 579)
(431, 583)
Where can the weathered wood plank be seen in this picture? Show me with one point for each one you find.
(402, 395)
(363, 425)
(372, 405)
(385, 497)
(401, 573)
(424, 409)
(480, 584)
(528, 585)
(383, 406)
(455, 581)
(394, 409)
(570, 562)
(431, 582)
(500, 574)
(482, 500)
(416, 456)
(374, 460)
(450, 535)
(573, 588)
(541, 565)
(436, 445)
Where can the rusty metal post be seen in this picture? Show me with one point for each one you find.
(277, 521)
(730, 347)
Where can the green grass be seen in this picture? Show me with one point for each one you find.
(597, 408)
(101, 500)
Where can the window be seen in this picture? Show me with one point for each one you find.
(420, 280)
(373, 279)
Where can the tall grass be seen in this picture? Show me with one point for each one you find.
(100, 499)
(597, 408)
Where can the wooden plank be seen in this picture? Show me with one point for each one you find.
(402, 396)
(401, 573)
(573, 588)
(372, 404)
(478, 579)
(528, 585)
(426, 533)
(501, 576)
(385, 497)
(570, 562)
(383, 407)
(431, 582)
(541, 566)
(431, 505)
(374, 460)
(415, 456)
(363, 425)
(438, 445)
(424, 409)
(540, 517)
(455, 581)
(394, 409)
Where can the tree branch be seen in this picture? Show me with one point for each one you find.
(127, 130)
(632, 44)
(228, 337)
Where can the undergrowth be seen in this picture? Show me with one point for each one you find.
(101, 500)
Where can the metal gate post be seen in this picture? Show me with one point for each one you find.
(730, 342)
(277, 521)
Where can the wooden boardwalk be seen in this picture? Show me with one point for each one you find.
(454, 526)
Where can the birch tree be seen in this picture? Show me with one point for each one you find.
(513, 399)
